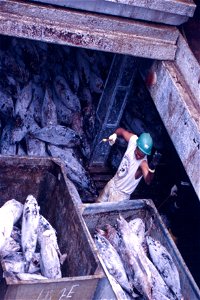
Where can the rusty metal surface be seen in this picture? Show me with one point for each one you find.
(184, 7)
(167, 12)
(98, 32)
(189, 67)
(176, 96)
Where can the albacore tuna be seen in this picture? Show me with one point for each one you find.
(136, 268)
(30, 223)
(50, 264)
(10, 213)
(112, 261)
(165, 264)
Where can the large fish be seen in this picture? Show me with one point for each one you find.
(112, 261)
(75, 170)
(137, 270)
(30, 223)
(10, 213)
(159, 289)
(23, 101)
(6, 105)
(6, 143)
(138, 227)
(23, 126)
(42, 227)
(49, 113)
(66, 95)
(165, 265)
(50, 264)
(58, 135)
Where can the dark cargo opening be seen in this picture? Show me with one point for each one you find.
(23, 61)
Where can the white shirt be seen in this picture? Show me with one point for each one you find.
(124, 179)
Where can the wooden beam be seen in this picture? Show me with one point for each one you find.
(173, 12)
(184, 7)
(87, 30)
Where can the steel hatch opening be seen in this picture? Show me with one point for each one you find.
(134, 113)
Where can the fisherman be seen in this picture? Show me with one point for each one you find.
(132, 168)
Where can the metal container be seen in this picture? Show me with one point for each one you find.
(45, 179)
(98, 215)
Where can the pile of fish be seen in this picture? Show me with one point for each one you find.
(140, 265)
(48, 99)
(30, 250)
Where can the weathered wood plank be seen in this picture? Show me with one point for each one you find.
(104, 33)
(74, 288)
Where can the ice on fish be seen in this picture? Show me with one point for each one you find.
(50, 264)
(137, 269)
(10, 213)
(14, 262)
(75, 171)
(10, 246)
(58, 135)
(138, 227)
(165, 265)
(112, 261)
(30, 223)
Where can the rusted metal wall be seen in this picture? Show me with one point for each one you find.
(176, 95)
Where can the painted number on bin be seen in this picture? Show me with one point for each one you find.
(63, 294)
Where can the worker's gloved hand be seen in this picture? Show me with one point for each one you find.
(112, 138)
(155, 160)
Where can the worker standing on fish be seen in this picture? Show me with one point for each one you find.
(132, 168)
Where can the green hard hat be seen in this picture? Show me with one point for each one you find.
(145, 143)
